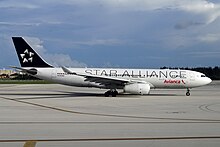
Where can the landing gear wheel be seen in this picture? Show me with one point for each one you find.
(107, 93)
(188, 92)
(113, 93)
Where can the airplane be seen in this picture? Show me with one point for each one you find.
(133, 81)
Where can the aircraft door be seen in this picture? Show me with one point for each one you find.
(54, 74)
(192, 76)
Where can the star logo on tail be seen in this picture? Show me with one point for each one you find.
(27, 56)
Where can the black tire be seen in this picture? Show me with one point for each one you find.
(114, 93)
(187, 93)
(107, 94)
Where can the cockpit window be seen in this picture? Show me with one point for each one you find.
(203, 76)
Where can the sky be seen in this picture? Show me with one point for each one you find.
(114, 33)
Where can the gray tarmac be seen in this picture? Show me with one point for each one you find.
(54, 115)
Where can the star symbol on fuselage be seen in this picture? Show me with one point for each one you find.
(27, 56)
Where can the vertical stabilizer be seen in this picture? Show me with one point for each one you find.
(26, 55)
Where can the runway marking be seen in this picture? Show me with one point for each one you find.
(106, 115)
(114, 139)
(205, 107)
(108, 122)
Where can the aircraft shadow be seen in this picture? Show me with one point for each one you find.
(66, 94)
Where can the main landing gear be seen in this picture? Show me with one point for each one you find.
(187, 92)
(112, 92)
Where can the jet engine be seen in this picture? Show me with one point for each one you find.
(137, 88)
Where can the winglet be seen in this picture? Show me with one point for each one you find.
(66, 70)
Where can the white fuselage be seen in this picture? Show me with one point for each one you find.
(133, 81)
(156, 78)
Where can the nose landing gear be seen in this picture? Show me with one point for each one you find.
(187, 92)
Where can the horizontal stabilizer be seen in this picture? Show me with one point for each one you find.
(31, 71)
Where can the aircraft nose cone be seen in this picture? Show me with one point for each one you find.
(206, 81)
(209, 80)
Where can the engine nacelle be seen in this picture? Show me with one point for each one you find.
(137, 88)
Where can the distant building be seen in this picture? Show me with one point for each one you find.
(5, 73)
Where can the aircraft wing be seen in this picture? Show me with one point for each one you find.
(104, 80)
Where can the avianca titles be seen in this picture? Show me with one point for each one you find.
(134, 81)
